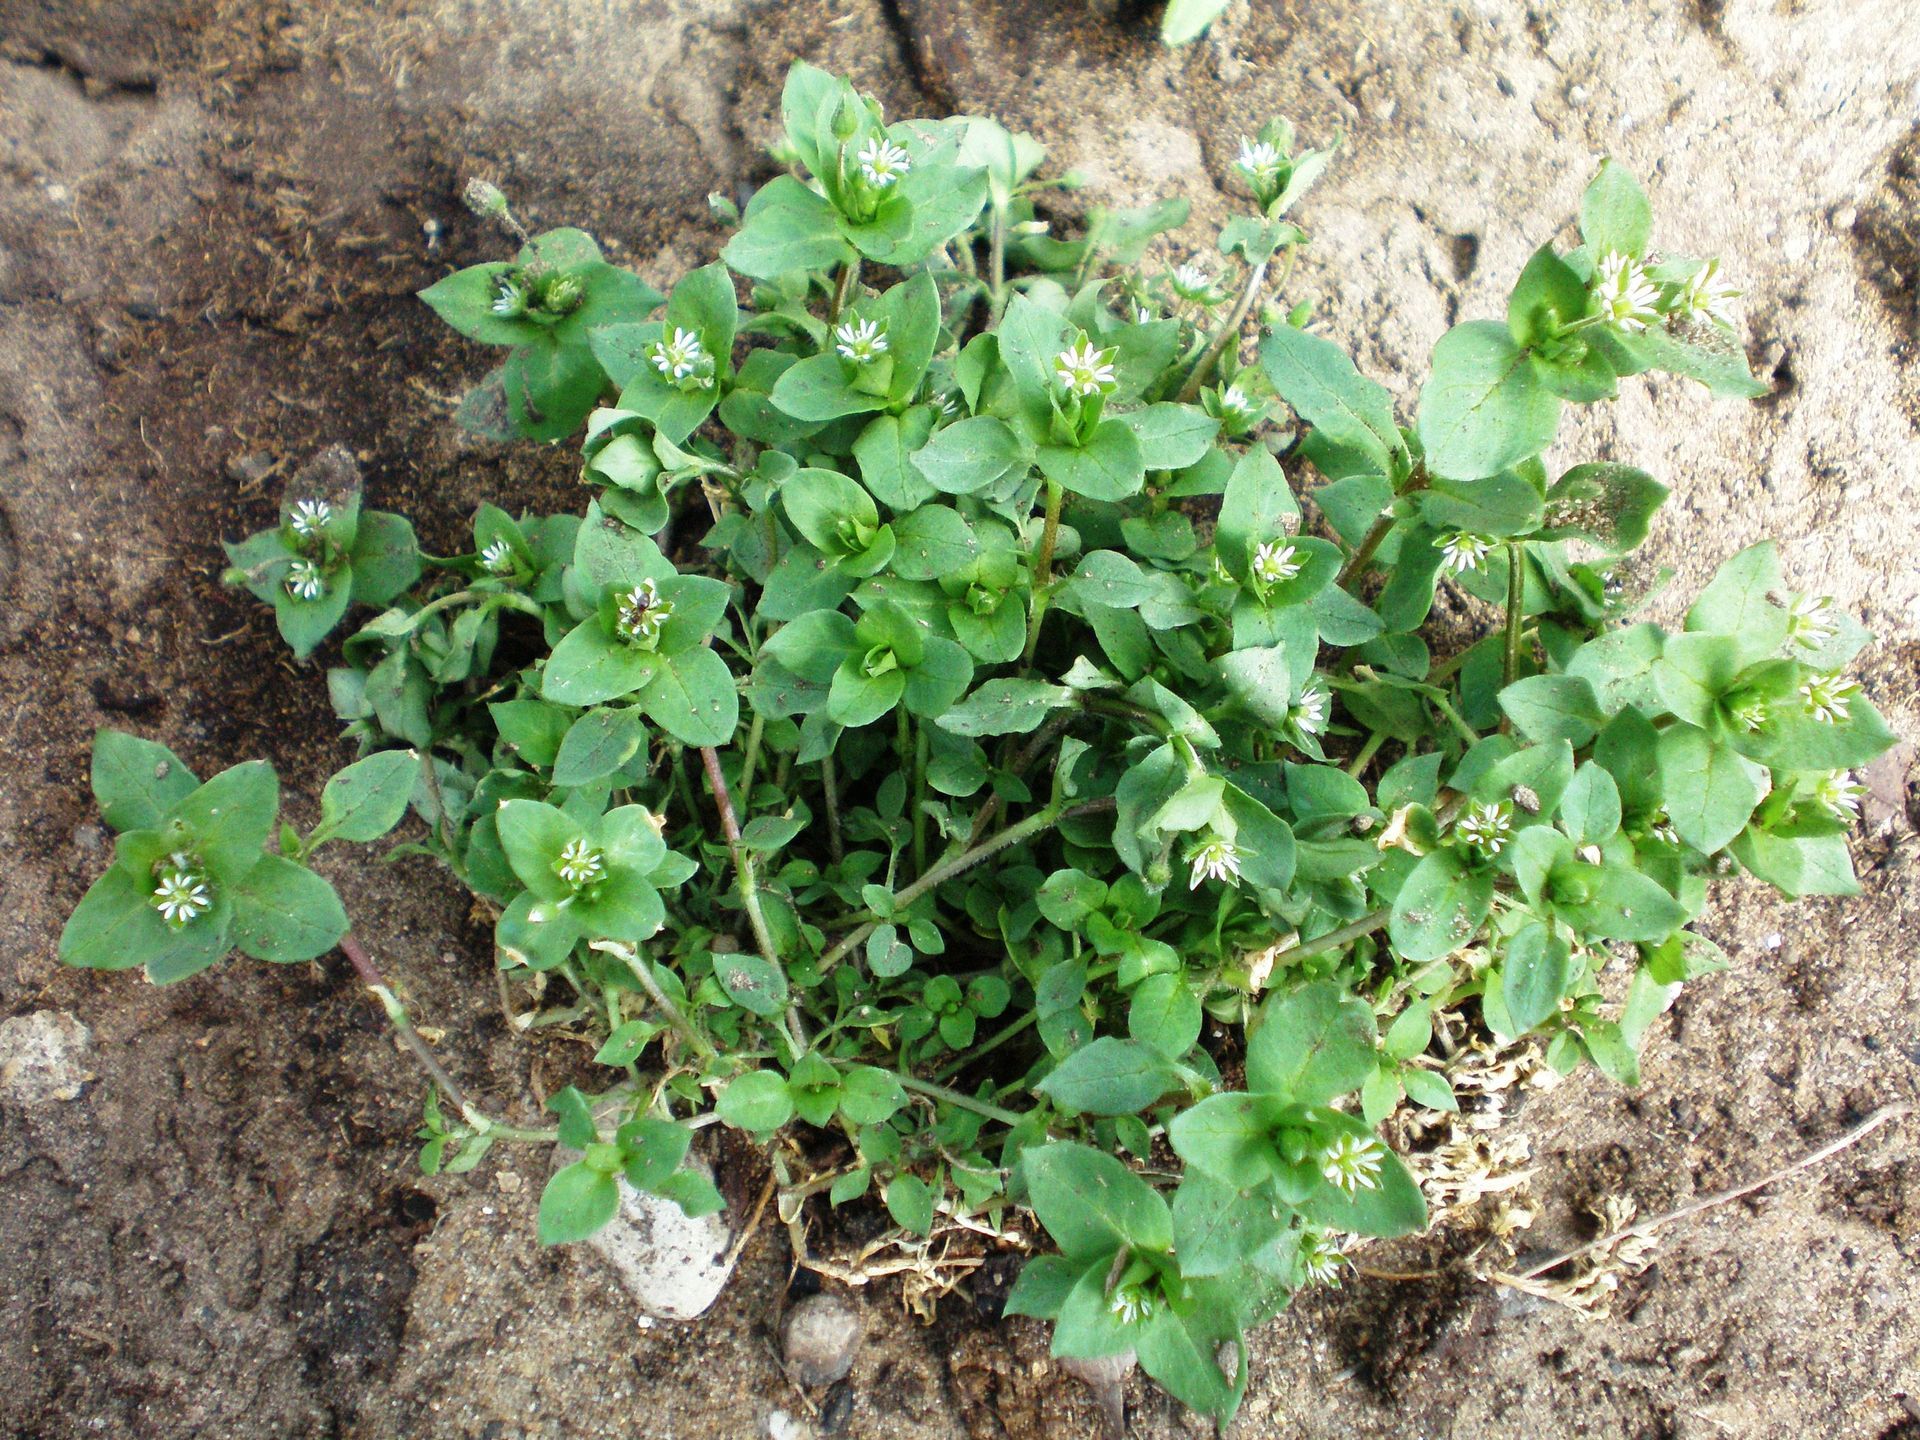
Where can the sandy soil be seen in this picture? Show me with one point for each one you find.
(212, 214)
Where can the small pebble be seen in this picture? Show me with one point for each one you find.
(818, 1337)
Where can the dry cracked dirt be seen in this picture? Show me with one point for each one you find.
(213, 214)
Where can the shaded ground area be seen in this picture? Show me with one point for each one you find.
(212, 214)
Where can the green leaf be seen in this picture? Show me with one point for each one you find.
(931, 542)
(1181, 1348)
(577, 1202)
(693, 698)
(1109, 1077)
(1614, 213)
(136, 782)
(283, 912)
(1312, 1046)
(465, 299)
(1043, 1286)
(231, 817)
(1217, 1228)
(1171, 437)
(1710, 789)
(1108, 467)
(752, 982)
(597, 744)
(1608, 505)
(369, 797)
(969, 455)
(1091, 1204)
(533, 833)
(1545, 708)
(589, 666)
(1257, 507)
(910, 1202)
(1626, 905)
(1318, 380)
(1164, 1015)
(1547, 297)
(817, 390)
(786, 228)
(1798, 865)
(756, 1101)
(870, 1095)
(1590, 810)
(385, 558)
(1735, 600)
(1186, 20)
(1483, 409)
(1534, 975)
(1440, 907)
(1006, 707)
(1228, 1136)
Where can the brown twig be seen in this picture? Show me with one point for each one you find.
(1645, 1228)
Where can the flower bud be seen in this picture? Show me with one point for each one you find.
(484, 199)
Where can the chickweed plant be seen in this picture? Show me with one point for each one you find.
(991, 737)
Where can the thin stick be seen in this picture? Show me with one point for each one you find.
(622, 951)
(749, 886)
(1516, 602)
(1644, 1228)
(1228, 331)
(402, 1023)
(830, 789)
(753, 1223)
(1365, 925)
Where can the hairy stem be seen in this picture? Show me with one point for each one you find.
(748, 885)
(1228, 332)
(843, 287)
(958, 864)
(1373, 920)
(1043, 567)
(1516, 604)
(402, 1023)
(676, 1017)
(830, 791)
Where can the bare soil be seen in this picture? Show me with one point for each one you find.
(212, 216)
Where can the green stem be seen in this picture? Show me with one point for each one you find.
(682, 1026)
(749, 887)
(751, 757)
(959, 1098)
(842, 287)
(1229, 330)
(1333, 939)
(1370, 542)
(1043, 567)
(920, 748)
(1367, 752)
(402, 1023)
(830, 790)
(997, 266)
(505, 599)
(1516, 603)
(1453, 718)
(958, 864)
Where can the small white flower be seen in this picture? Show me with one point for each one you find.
(1627, 295)
(1235, 401)
(1273, 562)
(1751, 713)
(860, 340)
(1259, 161)
(1193, 283)
(1660, 826)
(1143, 314)
(497, 557)
(509, 298)
(1321, 1257)
(680, 357)
(309, 518)
(180, 892)
(305, 581)
(1841, 794)
(579, 864)
(1705, 293)
(882, 162)
(1130, 1304)
(1827, 697)
(1811, 620)
(1462, 552)
(640, 613)
(1083, 370)
(1486, 828)
(1352, 1162)
(1309, 715)
(1214, 859)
